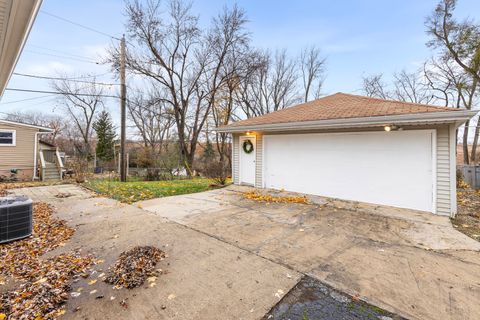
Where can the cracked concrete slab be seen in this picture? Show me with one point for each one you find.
(409, 262)
(205, 278)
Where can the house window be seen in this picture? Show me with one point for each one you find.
(7, 137)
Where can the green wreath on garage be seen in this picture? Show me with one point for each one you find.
(247, 146)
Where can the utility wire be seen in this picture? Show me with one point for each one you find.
(79, 25)
(62, 93)
(59, 78)
(62, 52)
(63, 57)
(28, 99)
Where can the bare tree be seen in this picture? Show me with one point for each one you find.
(406, 86)
(271, 87)
(374, 86)
(153, 118)
(459, 53)
(411, 87)
(81, 102)
(173, 52)
(312, 66)
(458, 40)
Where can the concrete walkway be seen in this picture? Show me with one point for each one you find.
(55, 193)
(414, 264)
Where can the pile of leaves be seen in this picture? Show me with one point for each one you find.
(255, 196)
(44, 283)
(134, 266)
(467, 219)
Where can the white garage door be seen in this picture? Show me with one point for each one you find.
(390, 168)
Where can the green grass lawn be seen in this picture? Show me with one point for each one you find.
(133, 191)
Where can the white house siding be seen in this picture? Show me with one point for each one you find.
(443, 171)
(259, 161)
(235, 159)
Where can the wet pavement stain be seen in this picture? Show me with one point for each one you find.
(310, 299)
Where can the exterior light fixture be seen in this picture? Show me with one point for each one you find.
(387, 128)
(248, 133)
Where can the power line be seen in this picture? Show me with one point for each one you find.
(62, 93)
(59, 78)
(79, 25)
(59, 51)
(28, 99)
(63, 57)
(52, 100)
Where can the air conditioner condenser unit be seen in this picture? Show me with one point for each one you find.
(16, 218)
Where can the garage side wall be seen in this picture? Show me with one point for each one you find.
(445, 201)
(235, 159)
(259, 161)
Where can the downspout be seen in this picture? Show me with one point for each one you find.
(35, 151)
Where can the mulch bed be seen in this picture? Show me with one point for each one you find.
(134, 266)
(41, 286)
(467, 219)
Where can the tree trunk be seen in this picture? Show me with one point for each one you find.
(473, 156)
(466, 159)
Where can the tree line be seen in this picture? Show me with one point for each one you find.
(186, 78)
(450, 77)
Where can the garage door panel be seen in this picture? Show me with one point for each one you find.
(391, 168)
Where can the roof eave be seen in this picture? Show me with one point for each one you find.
(16, 28)
(457, 117)
(40, 128)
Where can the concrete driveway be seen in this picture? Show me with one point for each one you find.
(202, 278)
(411, 263)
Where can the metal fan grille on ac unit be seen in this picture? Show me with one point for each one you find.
(15, 218)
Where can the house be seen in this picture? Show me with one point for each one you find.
(355, 148)
(24, 156)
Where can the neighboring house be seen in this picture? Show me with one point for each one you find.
(354, 148)
(24, 155)
(16, 20)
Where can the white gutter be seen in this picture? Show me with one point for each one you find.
(417, 118)
(35, 151)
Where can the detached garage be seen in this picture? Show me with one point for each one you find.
(354, 148)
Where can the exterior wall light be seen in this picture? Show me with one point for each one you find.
(389, 128)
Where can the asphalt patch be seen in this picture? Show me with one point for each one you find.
(310, 299)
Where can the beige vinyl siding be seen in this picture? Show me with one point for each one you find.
(235, 159)
(19, 156)
(443, 172)
(259, 161)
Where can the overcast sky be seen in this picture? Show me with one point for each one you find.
(358, 37)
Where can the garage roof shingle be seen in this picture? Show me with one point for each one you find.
(339, 106)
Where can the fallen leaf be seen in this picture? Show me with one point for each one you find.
(93, 291)
(92, 282)
(171, 296)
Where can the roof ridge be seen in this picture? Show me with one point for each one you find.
(397, 101)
